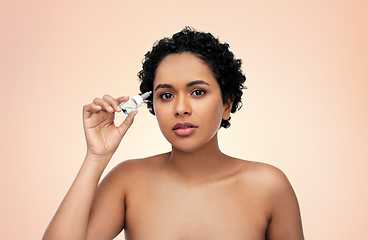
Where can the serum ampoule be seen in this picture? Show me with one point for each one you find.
(135, 102)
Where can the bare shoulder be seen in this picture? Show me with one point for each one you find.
(273, 191)
(260, 172)
(267, 182)
(263, 174)
(143, 163)
(128, 170)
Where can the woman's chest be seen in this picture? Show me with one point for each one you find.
(222, 211)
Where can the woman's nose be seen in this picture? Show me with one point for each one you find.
(182, 106)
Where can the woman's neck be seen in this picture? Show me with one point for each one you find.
(201, 165)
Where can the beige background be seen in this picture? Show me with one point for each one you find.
(305, 110)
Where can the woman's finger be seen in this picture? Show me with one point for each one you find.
(104, 104)
(122, 99)
(90, 109)
(113, 102)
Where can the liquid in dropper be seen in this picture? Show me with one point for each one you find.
(128, 110)
(135, 102)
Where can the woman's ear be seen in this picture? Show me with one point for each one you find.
(227, 111)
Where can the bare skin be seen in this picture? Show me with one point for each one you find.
(193, 192)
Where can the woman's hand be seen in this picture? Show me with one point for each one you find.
(103, 138)
(102, 135)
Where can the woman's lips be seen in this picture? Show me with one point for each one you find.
(184, 129)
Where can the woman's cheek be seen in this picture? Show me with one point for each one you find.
(162, 119)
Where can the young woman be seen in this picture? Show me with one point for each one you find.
(193, 192)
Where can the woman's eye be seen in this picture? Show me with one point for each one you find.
(166, 96)
(198, 92)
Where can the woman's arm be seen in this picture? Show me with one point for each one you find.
(285, 222)
(71, 221)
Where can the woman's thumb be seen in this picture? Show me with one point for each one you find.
(125, 125)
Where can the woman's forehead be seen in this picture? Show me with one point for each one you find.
(181, 68)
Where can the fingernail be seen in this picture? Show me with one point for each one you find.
(118, 108)
(110, 108)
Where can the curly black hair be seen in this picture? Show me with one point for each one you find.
(225, 67)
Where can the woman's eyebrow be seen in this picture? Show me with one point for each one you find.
(196, 82)
(163, 86)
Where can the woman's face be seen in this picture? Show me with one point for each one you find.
(187, 101)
